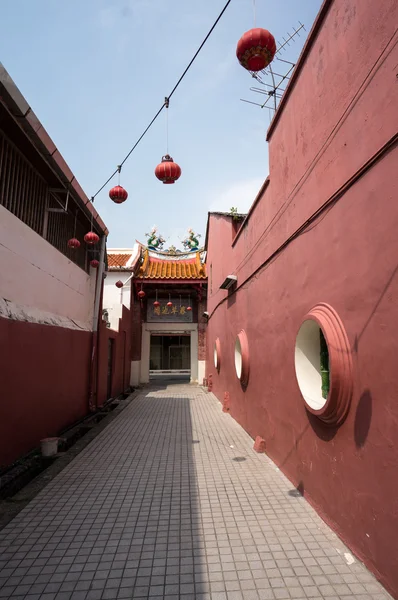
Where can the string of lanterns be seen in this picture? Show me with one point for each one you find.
(255, 51)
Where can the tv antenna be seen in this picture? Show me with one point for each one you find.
(275, 78)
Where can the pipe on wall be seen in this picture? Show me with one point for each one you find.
(94, 343)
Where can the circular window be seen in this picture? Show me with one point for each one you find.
(312, 372)
(242, 358)
(323, 365)
(217, 354)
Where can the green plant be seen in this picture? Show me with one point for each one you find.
(234, 212)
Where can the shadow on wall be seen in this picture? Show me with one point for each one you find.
(363, 419)
(323, 431)
(231, 297)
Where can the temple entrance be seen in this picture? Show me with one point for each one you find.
(169, 350)
(170, 353)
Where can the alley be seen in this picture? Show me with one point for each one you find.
(170, 501)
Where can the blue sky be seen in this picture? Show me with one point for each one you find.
(96, 71)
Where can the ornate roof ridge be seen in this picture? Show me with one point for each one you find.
(178, 255)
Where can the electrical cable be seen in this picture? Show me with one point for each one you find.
(309, 223)
(166, 99)
(298, 185)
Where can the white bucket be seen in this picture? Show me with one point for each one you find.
(49, 446)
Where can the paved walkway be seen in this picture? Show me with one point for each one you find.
(170, 501)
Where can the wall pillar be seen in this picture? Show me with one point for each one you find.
(136, 334)
(194, 356)
(202, 335)
(145, 354)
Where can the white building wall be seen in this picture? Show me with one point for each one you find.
(37, 282)
(114, 298)
(113, 295)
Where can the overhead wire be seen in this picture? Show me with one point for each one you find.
(284, 206)
(166, 101)
(315, 218)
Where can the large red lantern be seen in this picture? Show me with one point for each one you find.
(91, 238)
(141, 294)
(119, 284)
(168, 171)
(73, 243)
(256, 49)
(94, 263)
(118, 194)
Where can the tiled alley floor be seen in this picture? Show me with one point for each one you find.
(170, 501)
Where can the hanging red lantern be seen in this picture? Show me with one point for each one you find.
(141, 294)
(119, 284)
(118, 194)
(91, 238)
(73, 243)
(256, 49)
(170, 304)
(94, 263)
(189, 308)
(168, 171)
(156, 304)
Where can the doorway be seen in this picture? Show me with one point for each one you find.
(170, 353)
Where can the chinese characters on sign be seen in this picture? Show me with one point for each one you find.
(163, 313)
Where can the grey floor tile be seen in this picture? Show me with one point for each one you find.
(157, 507)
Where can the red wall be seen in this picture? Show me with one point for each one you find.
(339, 114)
(43, 382)
(121, 358)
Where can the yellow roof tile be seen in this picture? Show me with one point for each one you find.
(173, 269)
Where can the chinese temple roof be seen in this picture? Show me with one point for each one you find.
(162, 265)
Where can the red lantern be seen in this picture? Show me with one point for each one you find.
(141, 294)
(118, 194)
(189, 308)
(73, 243)
(119, 284)
(170, 304)
(167, 171)
(91, 238)
(256, 49)
(94, 263)
(156, 304)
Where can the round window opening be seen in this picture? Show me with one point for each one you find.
(312, 365)
(238, 358)
(217, 354)
(323, 365)
(242, 366)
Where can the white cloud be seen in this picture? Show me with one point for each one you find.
(240, 194)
